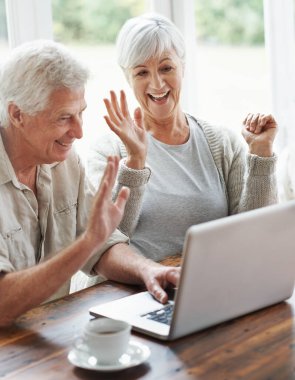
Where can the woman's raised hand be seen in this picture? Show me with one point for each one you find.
(131, 132)
(259, 131)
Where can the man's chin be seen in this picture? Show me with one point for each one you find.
(57, 158)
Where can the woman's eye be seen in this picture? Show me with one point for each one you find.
(142, 73)
(166, 69)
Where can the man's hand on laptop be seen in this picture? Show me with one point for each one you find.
(158, 278)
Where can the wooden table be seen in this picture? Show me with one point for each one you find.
(258, 346)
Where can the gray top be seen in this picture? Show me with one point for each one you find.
(184, 189)
(248, 181)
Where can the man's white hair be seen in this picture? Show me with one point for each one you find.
(33, 71)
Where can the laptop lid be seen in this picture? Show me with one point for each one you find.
(231, 266)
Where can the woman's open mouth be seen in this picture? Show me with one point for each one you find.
(158, 98)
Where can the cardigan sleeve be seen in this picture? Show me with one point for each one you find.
(250, 181)
(260, 183)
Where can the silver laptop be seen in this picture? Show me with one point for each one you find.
(231, 266)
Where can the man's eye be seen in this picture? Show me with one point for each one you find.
(63, 119)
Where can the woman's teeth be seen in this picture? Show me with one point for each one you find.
(159, 96)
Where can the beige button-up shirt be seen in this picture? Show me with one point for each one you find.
(32, 230)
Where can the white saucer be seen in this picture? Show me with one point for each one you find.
(136, 354)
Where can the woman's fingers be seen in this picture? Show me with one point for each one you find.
(116, 106)
(257, 123)
(138, 118)
(111, 112)
(124, 105)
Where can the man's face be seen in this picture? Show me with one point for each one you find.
(48, 136)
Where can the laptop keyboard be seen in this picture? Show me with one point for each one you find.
(163, 315)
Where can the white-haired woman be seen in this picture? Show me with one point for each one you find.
(180, 170)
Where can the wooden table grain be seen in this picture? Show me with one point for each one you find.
(260, 345)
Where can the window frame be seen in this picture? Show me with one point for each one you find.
(280, 48)
(37, 23)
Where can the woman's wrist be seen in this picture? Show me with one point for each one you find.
(137, 163)
(261, 151)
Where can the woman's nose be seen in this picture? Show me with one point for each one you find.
(157, 81)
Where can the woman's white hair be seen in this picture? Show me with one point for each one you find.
(32, 72)
(147, 36)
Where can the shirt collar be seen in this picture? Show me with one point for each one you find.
(7, 172)
(6, 169)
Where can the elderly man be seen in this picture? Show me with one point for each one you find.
(51, 222)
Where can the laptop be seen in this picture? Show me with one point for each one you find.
(231, 266)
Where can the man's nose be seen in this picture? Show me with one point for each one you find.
(77, 130)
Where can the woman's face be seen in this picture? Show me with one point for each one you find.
(157, 85)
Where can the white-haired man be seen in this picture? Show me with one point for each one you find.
(51, 222)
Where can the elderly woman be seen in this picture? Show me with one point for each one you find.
(51, 221)
(180, 170)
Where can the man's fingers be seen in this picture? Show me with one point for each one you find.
(158, 292)
(109, 174)
(105, 173)
(173, 276)
(122, 198)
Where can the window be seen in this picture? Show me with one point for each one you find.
(3, 31)
(231, 62)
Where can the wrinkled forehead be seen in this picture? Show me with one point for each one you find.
(158, 58)
(64, 97)
(169, 57)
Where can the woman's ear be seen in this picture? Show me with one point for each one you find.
(15, 115)
(183, 68)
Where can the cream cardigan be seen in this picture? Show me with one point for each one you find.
(249, 180)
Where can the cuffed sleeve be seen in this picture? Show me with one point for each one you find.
(261, 166)
(132, 177)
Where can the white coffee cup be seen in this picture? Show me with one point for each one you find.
(105, 339)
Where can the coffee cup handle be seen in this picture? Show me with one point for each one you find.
(80, 345)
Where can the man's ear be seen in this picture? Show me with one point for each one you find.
(15, 115)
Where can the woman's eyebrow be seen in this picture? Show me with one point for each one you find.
(162, 60)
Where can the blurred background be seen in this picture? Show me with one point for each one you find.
(231, 73)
